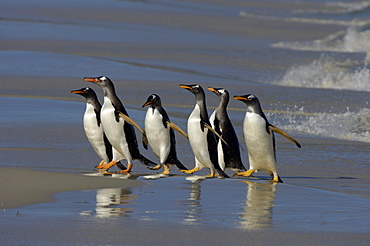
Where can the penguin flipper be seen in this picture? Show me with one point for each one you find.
(216, 133)
(132, 122)
(178, 129)
(281, 132)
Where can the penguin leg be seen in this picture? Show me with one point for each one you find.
(156, 167)
(191, 171)
(246, 173)
(211, 175)
(106, 166)
(166, 169)
(127, 170)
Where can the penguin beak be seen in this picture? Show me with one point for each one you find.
(94, 80)
(146, 104)
(77, 92)
(186, 87)
(241, 98)
(214, 90)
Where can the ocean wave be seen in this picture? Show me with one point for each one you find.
(327, 73)
(353, 126)
(351, 40)
(350, 7)
(353, 22)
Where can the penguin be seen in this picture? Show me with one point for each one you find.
(160, 135)
(228, 154)
(120, 133)
(202, 136)
(93, 128)
(260, 140)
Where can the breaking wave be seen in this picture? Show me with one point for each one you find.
(351, 40)
(325, 72)
(354, 126)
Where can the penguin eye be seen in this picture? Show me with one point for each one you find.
(251, 97)
(103, 78)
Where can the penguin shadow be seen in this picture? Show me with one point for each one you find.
(112, 203)
(259, 203)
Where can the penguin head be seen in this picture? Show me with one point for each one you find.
(153, 100)
(249, 99)
(194, 88)
(86, 92)
(221, 92)
(101, 80)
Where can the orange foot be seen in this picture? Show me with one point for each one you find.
(128, 170)
(106, 166)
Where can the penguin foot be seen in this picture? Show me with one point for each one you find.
(166, 169)
(191, 171)
(156, 167)
(246, 173)
(127, 171)
(276, 179)
(211, 175)
(106, 166)
(102, 162)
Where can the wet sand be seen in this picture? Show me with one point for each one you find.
(319, 207)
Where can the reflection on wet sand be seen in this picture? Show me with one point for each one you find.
(108, 201)
(257, 214)
(193, 203)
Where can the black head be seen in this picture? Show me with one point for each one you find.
(153, 100)
(86, 92)
(101, 80)
(197, 90)
(221, 92)
(251, 101)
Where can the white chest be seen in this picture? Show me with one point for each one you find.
(90, 123)
(154, 125)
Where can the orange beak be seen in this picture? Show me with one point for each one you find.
(94, 80)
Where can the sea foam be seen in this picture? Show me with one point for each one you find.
(325, 72)
(354, 126)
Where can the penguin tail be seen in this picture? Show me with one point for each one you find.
(121, 166)
(280, 180)
(222, 173)
(147, 162)
(180, 166)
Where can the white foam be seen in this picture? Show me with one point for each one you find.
(350, 40)
(354, 126)
(328, 73)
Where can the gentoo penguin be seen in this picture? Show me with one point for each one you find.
(93, 128)
(228, 154)
(160, 135)
(201, 135)
(119, 132)
(259, 138)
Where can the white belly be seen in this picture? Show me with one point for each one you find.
(198, 139)
(259, 143)
(94, 133)
(113, 129)
(158, 136)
